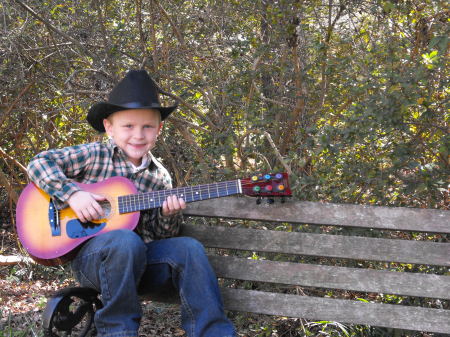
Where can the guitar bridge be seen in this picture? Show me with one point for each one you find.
(53, 219)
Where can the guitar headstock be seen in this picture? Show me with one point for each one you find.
(267, 185)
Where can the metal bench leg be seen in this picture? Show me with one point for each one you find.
(71, 309)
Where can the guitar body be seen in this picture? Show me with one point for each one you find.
(51, 236)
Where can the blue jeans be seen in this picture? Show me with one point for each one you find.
(120, 265)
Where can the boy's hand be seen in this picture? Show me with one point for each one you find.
(85, 206)
(172, 205)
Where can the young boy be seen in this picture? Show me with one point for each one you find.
(121, 262)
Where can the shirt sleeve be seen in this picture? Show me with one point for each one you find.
(54, 171)
(168, 226)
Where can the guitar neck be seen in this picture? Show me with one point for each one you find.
(142, 201)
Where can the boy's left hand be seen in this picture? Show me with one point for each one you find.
(173, 205)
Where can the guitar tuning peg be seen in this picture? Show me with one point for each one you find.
(258, 200)
(283, 200)
(270, 201)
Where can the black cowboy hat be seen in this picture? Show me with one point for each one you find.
(136, 90)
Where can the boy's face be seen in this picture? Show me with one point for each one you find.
(135, 131)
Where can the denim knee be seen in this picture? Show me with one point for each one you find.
(188, 246)
(177, 252)
(118, 252)
(124, 244)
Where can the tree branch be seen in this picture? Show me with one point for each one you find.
(272, 144)
(5, 182)
(181, 40)
(8, 260)
(13, 104)
(53, 28)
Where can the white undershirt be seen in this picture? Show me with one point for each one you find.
(144, 164)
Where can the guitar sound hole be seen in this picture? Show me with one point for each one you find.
(106, 205)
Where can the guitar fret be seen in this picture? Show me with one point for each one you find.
(198, 194)
(159, 198)
(192, 194)
(208, 196)
(132, 202)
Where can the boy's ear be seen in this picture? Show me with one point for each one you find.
(107, 124)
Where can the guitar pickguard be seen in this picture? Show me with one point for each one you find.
(76, 229)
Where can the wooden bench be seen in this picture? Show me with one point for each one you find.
(318, 248)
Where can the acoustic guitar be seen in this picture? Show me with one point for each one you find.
(52, 236)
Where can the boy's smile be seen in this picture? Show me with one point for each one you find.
(135, 131)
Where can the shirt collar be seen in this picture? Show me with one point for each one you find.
(147, 160)
(144, 163)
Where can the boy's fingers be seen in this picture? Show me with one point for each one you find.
(83, 216)
(172, 202)
(89, 214)
(182, 203)
(165, 209)
(173, 205)
(98, 197)
(99, 213)
(94, 213)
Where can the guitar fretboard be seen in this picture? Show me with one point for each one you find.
(142, 201)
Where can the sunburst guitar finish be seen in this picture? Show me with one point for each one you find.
(50, 235)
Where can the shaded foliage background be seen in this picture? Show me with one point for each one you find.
(351, 97)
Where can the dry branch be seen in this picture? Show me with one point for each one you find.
(180, 38)
(6, 114)
(53, 28)
(272, 144)
(4, 181)
(8, 260)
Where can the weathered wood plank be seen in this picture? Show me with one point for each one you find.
(391, 218)
(365, 280)
(344, 311)
(359, 248)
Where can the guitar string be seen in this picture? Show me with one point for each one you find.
(215, 188)
(197, 188)
(153, 199)
(199, 191)
(206, 188)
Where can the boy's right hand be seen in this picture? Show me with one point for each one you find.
(86, 206)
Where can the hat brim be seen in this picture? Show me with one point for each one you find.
(98, 112)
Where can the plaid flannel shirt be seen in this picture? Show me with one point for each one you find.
(55, 171)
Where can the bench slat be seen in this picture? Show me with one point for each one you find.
(359, 248)
(346, 311)
(380, 217)
(379, 281)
